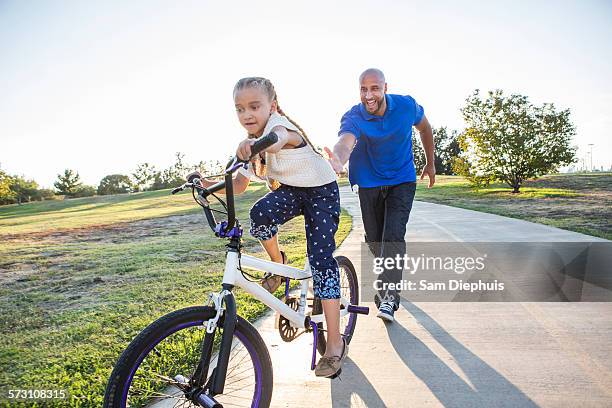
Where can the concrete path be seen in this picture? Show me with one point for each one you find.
(458, 354)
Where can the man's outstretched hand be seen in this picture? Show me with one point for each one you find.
(334, 161)
(430, 171)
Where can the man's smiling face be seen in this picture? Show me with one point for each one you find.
(373, 89)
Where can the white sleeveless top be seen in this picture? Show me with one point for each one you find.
(300, 167)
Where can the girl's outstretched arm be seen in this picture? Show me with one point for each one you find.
(240, 183)
(284, 138)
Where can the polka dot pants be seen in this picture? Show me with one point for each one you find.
(320, 207)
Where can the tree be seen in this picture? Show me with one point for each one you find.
(210, 167)
(144, 176)
(7, 196)
(417, 152)
(175, 174)
(172, 176)
(510, 140)
(115, 184)
(67, 183)
(25, 190)
(446, 148)
(17, 189)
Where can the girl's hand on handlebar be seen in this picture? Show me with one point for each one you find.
(244, 149)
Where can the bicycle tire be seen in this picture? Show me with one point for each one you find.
(189, 324)
(347, 269)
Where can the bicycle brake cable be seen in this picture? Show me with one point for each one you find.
(255, 278)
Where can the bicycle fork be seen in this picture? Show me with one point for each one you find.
(225, 305)
(229, 325)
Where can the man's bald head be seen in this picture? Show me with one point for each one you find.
(373, 87)
(372, 72)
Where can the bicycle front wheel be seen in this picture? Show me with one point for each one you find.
(152, 371)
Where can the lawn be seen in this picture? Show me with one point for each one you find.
(91, 211)
(80, 278)
(576, 202)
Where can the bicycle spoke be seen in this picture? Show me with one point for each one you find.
(156, 394)
(246, 354)
(225, 404)
(167, 379)
(237, 397)
(234, 374)
(232, 390)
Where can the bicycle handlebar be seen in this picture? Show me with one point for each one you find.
(227, 184)
(263, 143)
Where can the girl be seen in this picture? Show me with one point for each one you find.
(302, 182)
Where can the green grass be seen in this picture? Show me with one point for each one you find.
(73, 296)
(576, 202)
(92, 211)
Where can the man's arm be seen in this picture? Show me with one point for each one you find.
(426, 135)
(342, 151)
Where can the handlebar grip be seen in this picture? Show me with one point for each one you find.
(263, 143)
(177, 190)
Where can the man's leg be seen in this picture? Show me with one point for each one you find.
(372, 203)
(398, 204)
(373, 216)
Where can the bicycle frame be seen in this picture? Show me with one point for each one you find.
(298, 319)
(232, 277)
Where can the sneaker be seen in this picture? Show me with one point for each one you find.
(331, 367)
(272, 282)
(386, 310)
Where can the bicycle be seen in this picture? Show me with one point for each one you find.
(208, 355)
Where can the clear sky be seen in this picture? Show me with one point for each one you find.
(100, 86)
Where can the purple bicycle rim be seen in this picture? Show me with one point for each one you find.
(352, 316)
(243, 340)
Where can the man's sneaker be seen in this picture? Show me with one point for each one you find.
(386, 310)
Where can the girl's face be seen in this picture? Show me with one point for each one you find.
(253, 108)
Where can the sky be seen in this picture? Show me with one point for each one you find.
(101, 86)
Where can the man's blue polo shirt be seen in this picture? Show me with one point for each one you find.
(383, 153)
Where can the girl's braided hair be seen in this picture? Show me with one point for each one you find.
(266, 85)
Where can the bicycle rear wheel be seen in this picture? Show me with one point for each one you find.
(149, 372)
(349, 289)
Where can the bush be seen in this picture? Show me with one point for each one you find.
(84, 191)
(115, 184)
(46, 194)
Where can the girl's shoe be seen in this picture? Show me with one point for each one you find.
(331, 367)
(271, 282)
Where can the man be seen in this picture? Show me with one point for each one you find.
(375, 137)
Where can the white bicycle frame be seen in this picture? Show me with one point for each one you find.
(233, 276)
